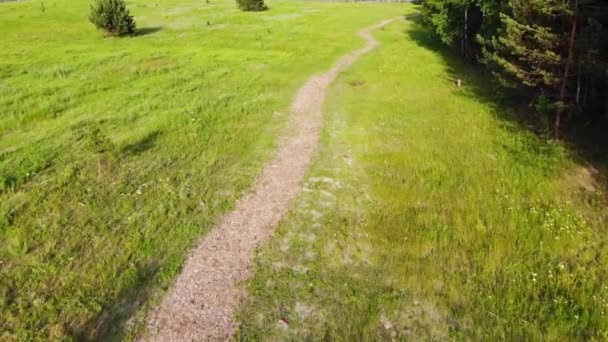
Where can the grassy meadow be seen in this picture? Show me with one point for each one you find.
(431, 213)
(118, 154)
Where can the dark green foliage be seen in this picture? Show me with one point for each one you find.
(252, 5)
(446, 17)
(534, 48)
(554, 48)
(527, 48)
(92, 138)
(113, 17)
(457, 22)
(591, 81)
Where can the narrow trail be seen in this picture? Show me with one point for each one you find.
(201, 304)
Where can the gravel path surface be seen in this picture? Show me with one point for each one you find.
(201, 303)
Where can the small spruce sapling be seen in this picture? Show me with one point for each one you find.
(252, 5)
(113, 17)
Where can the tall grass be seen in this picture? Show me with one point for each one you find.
(117, 155)
(431, 213)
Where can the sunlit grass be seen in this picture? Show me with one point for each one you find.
(431, 214)
(116, 155)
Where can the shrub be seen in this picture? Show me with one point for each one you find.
(113, 17)
(252, 5)
(89, 134)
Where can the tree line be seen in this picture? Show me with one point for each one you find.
(556, 51)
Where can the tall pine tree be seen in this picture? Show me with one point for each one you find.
(555, 48)
(535, 47)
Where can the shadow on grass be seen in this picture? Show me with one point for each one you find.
(144, 31)
(586, 144)
(142, 145)
(111, 323)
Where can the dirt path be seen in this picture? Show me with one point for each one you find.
(201, 304)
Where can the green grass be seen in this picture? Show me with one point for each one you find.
(117, 155)
(431, 213)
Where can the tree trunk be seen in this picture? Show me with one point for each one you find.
(466, 31)
(564, 87)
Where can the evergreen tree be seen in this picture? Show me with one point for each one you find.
(456, 22)
(113, 17)
(252, 5)
(535, 47)
(555, 49)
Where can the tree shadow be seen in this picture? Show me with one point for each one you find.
(144, 31)
(590, 143)
(586, 144)
(111, 323)
(142, 145)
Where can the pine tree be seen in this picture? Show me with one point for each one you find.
(535, 48)
(252, 5)
(113, 17)
(557, 50)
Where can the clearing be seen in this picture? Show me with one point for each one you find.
(118, 155)
(429, 212)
